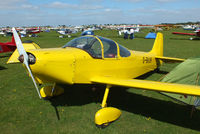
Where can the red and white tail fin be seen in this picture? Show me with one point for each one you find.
(13, 40)
(198, 33)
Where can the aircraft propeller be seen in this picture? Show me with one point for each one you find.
(24, 57)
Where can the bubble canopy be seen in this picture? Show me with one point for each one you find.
(99, 47)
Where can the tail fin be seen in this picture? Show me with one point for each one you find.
(158, 51)
(158, 45)
(198, 33)
(13, 40)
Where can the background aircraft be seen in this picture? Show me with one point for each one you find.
(197, 34)
(66, 32)
(7, 46)
(31, 32)
(95, 60)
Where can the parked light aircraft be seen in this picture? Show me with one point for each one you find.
(197, 34)
(95, 60)
(7, 46)
(66, 32)
(31, 32)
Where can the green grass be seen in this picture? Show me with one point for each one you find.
(143, 112)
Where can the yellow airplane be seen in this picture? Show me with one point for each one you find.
(95, 60)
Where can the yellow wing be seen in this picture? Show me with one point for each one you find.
(150, 85)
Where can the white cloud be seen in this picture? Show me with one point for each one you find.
(61, 5)
(124, 1)
(90, 1)
(90, 7)
(146, 1)
(107, 10)
(10, 4)
(16, 5)
(6, 2)
(166, 0)
(80, 12)
(58, 4)
(29, 6)
(156, 16)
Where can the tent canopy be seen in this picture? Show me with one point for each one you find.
(185, 73)
(150, 35)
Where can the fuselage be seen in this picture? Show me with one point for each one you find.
(73, 65)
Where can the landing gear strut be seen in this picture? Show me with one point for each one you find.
(50, 91)
(106, 115)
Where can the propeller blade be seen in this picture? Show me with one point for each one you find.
(19, 45)
(22, 51)
(29, 70)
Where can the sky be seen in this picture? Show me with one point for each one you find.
(84, 12)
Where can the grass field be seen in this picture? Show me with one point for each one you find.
(143, 112)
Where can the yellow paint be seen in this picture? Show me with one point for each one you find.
(71, 65)
(54, 65)
(169, 59)
(27, 46)
(47, 91)
(106, 115)
(158, 45)
(105, 96)
(150, 85)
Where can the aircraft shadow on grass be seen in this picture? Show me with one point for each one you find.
(2, 67)
(5, 55)
(119, 97)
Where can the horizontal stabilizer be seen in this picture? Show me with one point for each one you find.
(169, 59)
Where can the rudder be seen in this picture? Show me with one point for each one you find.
(158, 45)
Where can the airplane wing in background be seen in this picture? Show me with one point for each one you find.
(149, 85)
(192, 34)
